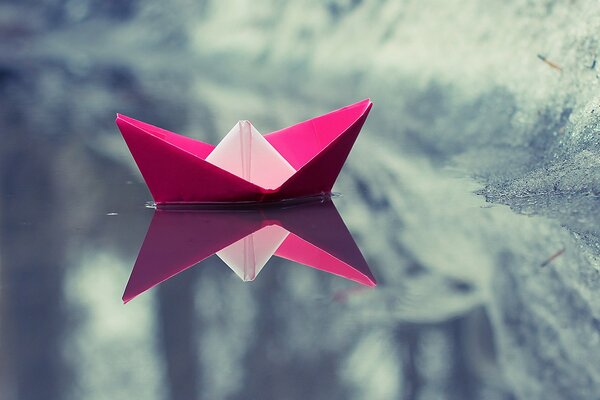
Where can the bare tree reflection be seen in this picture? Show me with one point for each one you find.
(178, 336)
(32, 262)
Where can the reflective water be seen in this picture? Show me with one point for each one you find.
(473, 300)
(310, 233)
(457, 310)
(291, 332)
(469, 295)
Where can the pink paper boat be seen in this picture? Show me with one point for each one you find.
(312, 234)
(301, 160)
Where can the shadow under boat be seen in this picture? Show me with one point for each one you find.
(312, 234)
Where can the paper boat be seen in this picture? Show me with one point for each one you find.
(301, 160)
(312, 234)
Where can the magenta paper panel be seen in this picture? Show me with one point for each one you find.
(176, 176)
(322, 226)
(300, 143)
(319, 174)
(177, 240)
(296, 249)
(196, 147)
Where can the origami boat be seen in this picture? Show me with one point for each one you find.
(301, 160)
(311, 233)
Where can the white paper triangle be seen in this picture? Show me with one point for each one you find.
(246, 153)
(248, 256)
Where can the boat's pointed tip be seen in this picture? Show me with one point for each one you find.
(367, 280)
(367, 103)
(123, 117)
(125, 122)
(120, 118)
(127, 297)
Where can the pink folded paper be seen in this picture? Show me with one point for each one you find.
(311, 233)
(301, 160)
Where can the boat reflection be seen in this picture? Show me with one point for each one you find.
(312, 234)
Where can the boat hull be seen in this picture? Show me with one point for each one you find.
(176, 172)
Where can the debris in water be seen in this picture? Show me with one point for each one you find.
(550, 63)
(553, 257)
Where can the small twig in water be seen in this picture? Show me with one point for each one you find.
(553, 257)
(549, 63)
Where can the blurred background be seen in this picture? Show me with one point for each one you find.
(473, 193)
